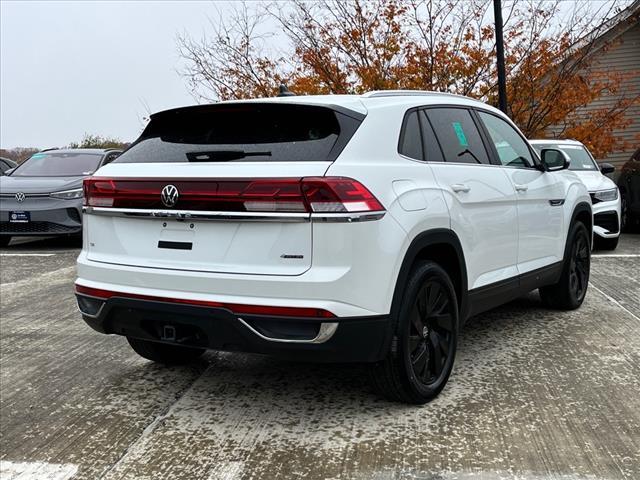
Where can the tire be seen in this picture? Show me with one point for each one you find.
(606, 243)
(569, 292)
(165, 353)
(4, 240)
(423, 347)
(628, 223)
(624, 211)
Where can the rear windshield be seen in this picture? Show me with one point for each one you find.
(580, 157)
(243, 133)
(58, 164)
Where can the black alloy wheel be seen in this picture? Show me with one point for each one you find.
(579, 267)
(569, 292)
(425, 335)
(430, 337)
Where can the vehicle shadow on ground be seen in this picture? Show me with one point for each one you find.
(37, 244)
(272, 382)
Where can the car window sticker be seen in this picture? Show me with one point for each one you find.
(457, 127)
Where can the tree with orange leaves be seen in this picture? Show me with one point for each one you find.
(332, 46)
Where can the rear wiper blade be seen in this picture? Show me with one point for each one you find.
(223, 155)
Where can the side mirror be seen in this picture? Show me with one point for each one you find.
(607, 168)
(554, 159)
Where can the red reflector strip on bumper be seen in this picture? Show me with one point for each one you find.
(238, 309)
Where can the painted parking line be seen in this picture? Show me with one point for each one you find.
(27, 254)
(615, 255)
(36, 471)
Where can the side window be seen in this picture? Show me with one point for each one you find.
(511, 147)
(431, 145)
(410, 139)
(458, 135)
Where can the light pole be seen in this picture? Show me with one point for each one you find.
(502, 81)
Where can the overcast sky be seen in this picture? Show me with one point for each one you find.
(70, 67)
(67, 68)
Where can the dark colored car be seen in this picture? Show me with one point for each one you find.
(629, 185)
(6, 164)
(43, 195)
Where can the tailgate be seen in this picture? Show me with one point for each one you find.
(218, 188)
(209, 229)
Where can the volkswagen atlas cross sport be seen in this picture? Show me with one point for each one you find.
(329, 228)
(604, 192)
(43, 195)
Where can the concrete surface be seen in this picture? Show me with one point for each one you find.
(535, 394)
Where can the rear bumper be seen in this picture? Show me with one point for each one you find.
(352, 339)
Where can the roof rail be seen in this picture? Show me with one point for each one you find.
(407, 93)
(49, 149)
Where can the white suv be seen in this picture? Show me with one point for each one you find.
(337, 228)
(604, 192)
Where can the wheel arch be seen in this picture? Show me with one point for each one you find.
(582, 213)
(442, 246)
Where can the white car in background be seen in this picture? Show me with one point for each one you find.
(604, 192)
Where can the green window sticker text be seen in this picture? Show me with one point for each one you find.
(460, 134)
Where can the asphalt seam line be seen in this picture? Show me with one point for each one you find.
(149, 429)
(614, 301)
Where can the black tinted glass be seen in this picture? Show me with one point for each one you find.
(58, 164)
(410, 139)
(458, 135)
(434, 153)
(246, 132)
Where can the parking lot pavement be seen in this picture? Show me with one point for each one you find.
(535, 394)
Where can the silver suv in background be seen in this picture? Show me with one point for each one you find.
(43, 195)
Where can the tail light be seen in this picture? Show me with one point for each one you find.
(303, 195)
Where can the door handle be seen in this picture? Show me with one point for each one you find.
(460, 187)
(521, 188)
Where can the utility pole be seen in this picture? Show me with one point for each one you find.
(502, 81)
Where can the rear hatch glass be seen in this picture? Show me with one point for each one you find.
(250, 132)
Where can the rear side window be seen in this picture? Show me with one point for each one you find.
(458, 135)
(410, 137)
(258, 132)
(431, 145)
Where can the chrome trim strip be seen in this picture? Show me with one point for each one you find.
(26, 195)
(346, 217)
(183, 215)
(97, 314)
(198, 215)
(327, 329)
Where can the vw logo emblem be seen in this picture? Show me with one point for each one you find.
(20, 197)
(169, 195)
